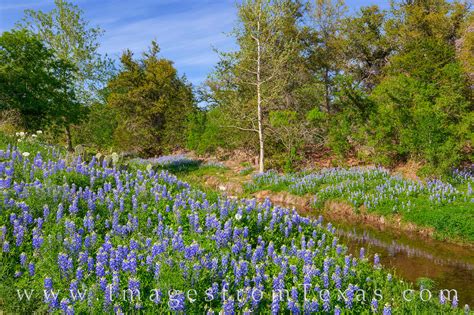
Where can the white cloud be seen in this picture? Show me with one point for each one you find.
(186, 37)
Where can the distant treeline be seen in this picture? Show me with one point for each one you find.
(384, 86)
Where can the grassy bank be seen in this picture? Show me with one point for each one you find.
(446, 205)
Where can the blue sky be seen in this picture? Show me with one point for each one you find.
(186, 30)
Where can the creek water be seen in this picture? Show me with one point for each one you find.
(411, 257)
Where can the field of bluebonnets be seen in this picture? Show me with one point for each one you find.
(91, 236)
(446, 205)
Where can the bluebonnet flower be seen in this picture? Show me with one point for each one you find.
(45, 212)
(69, 310)
(325, 280)
(90, 263)
(64, 262)
(31, 269)
(59, 213)
(293, 301)
(37, 240)
(6, 247)
(48, 283)
(177, 301)
(134, 286)
(308, 307)
(374, 305)
(455, 301)
(387, 310)
(103, 284)
(229, 306)
(376, 260)
(275, 307)
(350, 296)
(79, 274)
(99, 270)
(19, 232)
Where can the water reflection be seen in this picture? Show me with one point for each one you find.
(450, 266)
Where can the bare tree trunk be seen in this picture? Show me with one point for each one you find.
(261, 167)
(69, 138)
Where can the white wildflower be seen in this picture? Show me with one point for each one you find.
(26, 154)
(39, 132)
(222, 187)
(238, 216)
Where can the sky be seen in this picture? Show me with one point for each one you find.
(187, 31)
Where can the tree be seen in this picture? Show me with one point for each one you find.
(151, 103)
(35, 82)
(325, 52)
(65, 30)
(366, 46)
(416, 19)
(252, 80)
(423, 103)
(69, 35)
(465, 47)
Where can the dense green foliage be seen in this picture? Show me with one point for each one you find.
(386, 86)
(35, 83)
(152, 104)
(57, 81)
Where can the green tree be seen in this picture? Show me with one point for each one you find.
(422, 104)
(253, 80)
(366, 46)
(35, 82)
(325, 53)
(465, 47)
(417, 19)
(69, 35)
(65, 30)
(97, 129)
(151, 102)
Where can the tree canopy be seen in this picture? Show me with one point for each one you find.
(152, 103)
(34, 82)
